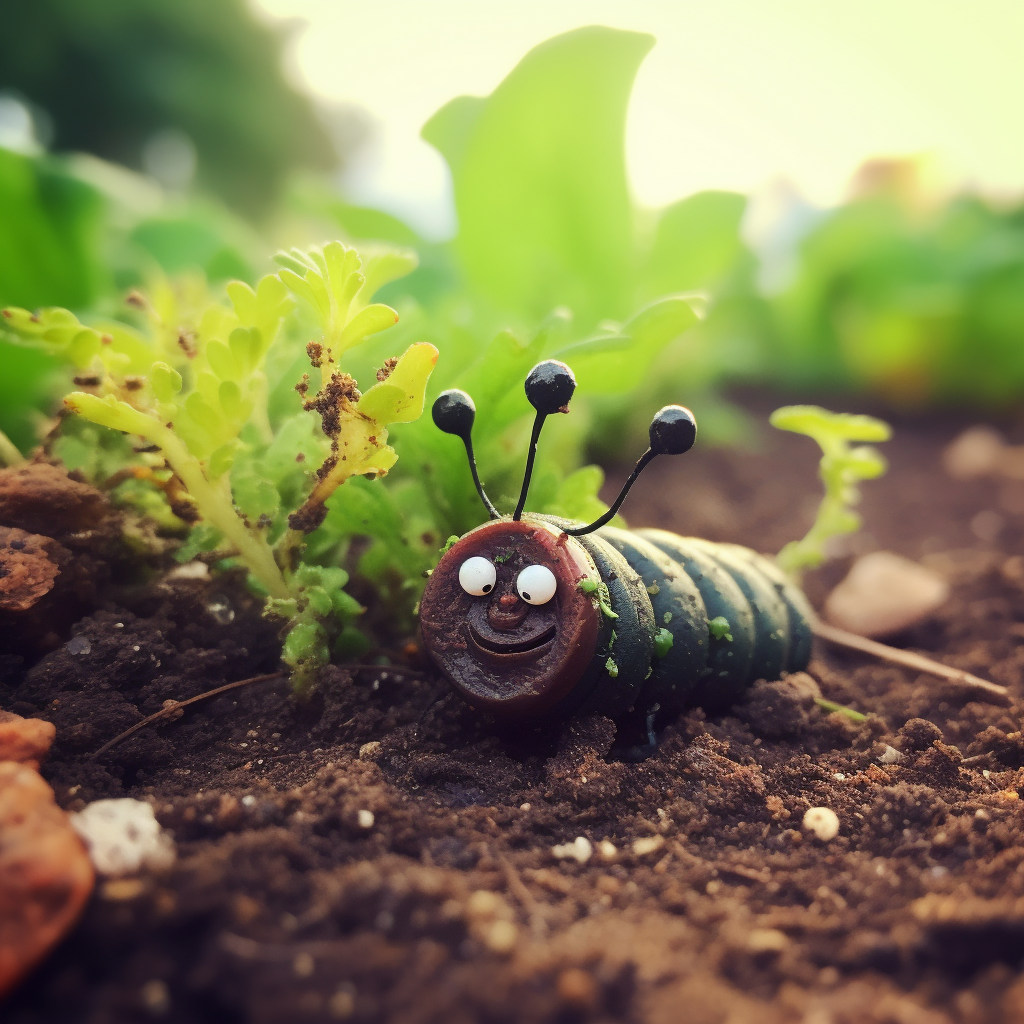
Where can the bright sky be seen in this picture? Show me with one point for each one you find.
(736, 93)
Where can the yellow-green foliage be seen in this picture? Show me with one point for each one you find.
(842, 467)
(191, 382)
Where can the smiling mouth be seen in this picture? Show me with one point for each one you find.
(533, 645)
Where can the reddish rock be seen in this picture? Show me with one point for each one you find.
(29, 566)
(44, 499)
(25, 740)
(45, 872)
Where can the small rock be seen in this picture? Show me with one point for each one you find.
(579, 850)
(365, 819)
(823, 822)
(29, 565)
(45, 874)
(123, 837)
(578, 989)
(890, 755)
(606, 848)
(883, 594)
(974, 454)
(766, 940)
(25, 740)
(649, 844)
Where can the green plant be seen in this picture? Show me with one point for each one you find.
(190, 379)
(842, 467)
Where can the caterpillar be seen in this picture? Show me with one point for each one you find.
(533, 617)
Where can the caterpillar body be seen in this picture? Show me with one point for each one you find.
(532, 617)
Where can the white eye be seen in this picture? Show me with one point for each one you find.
(476, 576)
(536, 584)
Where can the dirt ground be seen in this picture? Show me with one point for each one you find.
(445, 903)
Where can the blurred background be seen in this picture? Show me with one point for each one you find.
(839, 185)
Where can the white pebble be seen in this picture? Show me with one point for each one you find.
(975, 453)
(365, 818)
(123, 837)
(891, 755)
(579, 850)
(823, 822)
(884, 593)
(648, 844)
(607, 850)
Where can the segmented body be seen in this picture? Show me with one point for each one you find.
(638, 621)
(659, 580)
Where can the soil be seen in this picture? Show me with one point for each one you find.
(378, 853)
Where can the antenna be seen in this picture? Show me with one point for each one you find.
(453, 412)
(549, 388)
(673, 431)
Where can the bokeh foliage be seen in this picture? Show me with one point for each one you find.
(552, 258)
(112, 73)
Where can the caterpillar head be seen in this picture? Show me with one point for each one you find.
(505, 618)
(509, 614)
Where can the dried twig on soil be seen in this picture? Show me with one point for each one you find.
(172, 708)
(917, 662)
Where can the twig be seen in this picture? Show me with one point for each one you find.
(178, 705)
(917, 662)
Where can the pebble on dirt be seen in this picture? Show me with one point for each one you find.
(123, 837)
(25, 740)
(579, 850)
(883, 594)
(45, 873)
(823, 822)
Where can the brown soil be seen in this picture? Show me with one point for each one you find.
(287, 905)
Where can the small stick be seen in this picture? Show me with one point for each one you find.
(917, 662)
(178, 705)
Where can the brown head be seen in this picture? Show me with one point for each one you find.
(504, 617)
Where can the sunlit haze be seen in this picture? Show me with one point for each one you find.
(735, 94)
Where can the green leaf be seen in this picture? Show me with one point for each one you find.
(619, 362)
(371, 320)
(697, 241)
(539, 174)
(820, 423)
(165, 381)
(399, 398)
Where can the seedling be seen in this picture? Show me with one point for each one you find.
(191, 383)
(842, 468)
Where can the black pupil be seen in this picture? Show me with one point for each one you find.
(526, 597)
(487, 587)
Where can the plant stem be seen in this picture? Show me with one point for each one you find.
(214, 503)
(831, 706)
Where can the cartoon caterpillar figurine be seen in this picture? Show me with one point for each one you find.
(532, 617)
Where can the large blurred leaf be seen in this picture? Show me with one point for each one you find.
(614, 363)
(697, 240)
(540, 180)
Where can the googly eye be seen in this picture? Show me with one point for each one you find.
(477, 576)
(536, 584)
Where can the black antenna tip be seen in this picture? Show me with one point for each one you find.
(673, 430)
(550, 386)
(453, 412)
